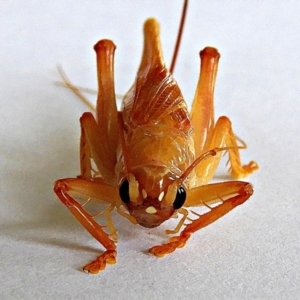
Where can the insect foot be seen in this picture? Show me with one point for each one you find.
(245, 170)
(99, 264)
(174, 243)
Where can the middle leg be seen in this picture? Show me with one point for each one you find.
(223, 136)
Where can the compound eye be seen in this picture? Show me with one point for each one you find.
(180, 198)
(124, 191)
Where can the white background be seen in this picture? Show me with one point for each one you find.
(253, 253)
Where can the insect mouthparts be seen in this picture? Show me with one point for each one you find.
(151, 210)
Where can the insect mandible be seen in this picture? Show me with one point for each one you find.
(153, 158)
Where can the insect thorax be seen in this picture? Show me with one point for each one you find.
(159, 153)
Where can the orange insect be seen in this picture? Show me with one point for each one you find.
(153, 158)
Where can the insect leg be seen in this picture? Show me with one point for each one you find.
(106, 108)
(86, 167)
(99, 136)
(223, 136)
(202, 112)
(93, 145)
(184, 213)
(110, 223)
(234, 193)
(66, 190)
(207, 135)
(121, 211)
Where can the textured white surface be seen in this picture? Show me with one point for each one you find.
(253, 253)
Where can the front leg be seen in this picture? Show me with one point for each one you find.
(237, 191)
(89, 189)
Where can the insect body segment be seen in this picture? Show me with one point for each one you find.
(158, 137)
(153, 159)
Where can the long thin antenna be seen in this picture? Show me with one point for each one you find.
(177, 45)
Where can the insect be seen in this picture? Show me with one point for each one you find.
(153, 160)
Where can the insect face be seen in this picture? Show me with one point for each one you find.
(151, 201)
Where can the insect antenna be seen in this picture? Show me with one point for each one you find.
(179, 36)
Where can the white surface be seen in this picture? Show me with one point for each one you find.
(253, 253)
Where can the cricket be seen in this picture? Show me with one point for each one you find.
(153, 159)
